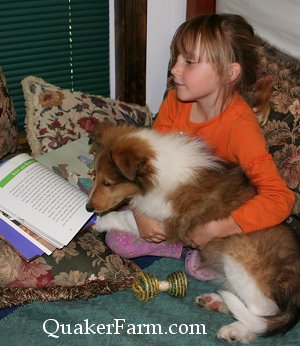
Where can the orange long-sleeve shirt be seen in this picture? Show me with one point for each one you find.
(235, 136)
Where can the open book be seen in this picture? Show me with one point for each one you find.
(43, 200)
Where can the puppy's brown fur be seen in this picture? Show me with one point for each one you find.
(211, 196)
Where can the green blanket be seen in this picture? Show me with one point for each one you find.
(121, 319)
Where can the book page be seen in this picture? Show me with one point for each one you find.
(42, 200)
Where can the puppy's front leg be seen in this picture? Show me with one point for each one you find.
(117, 220)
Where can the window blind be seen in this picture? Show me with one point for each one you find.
(65, 42)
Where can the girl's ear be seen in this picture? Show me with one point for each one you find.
(235, 70)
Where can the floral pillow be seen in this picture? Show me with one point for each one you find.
(84, 268)
(8, 121)
(283, 139)
(55, 116)
(282, 130)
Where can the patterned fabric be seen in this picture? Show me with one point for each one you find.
(86, 258)
(282, 130)
(55, 116)
(283, 139)
(8, 121)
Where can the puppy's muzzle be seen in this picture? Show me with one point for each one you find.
(89, 207)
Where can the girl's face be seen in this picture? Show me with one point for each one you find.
(195, 81)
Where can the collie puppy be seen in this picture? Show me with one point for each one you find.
(177, 180)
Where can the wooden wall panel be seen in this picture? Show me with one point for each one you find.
(197, 7)
(131, 42)
(130, 50)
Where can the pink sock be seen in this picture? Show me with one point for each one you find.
(130, 245)
(195, 267)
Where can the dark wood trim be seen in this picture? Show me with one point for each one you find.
(197, 7)
(131, 43)
(130, 50)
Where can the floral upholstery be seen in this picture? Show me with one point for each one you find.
(84, 268)
(8, 121)
(282, 130)
(55, 116)
(86, 251)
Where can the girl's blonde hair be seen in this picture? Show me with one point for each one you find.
(226, 39)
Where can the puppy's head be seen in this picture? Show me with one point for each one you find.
(123, 166)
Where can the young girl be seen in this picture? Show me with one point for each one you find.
(215, 58)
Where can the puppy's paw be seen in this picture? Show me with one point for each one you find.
(212, 302)
(235, 331)
(103, 223)
(123, 221)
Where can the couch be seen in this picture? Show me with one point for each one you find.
(57, 116)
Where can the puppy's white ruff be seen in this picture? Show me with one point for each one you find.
(176, 159)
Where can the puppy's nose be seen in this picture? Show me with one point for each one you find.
(89, 207)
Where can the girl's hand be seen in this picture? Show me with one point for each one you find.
(150, 229)
(201, 235)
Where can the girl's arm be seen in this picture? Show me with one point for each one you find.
(272, 204)
(247, 147)
(201, 235)
(150, 229)
(274, 200)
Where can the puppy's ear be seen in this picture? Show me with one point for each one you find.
(96, 135)
(130, 164)
(97, 132)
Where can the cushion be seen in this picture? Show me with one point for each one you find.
(8, 120)
(55, 116)
(282, 127)
(282, 130)
(84, 268)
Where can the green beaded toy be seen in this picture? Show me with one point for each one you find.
(147, 286)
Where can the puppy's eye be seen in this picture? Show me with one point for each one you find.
(106, 183)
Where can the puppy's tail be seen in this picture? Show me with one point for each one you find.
(260, 325)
